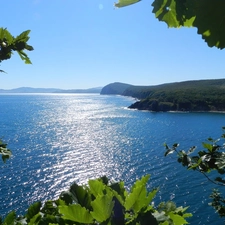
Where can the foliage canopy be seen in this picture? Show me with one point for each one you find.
(206, 15)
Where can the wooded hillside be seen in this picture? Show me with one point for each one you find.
(201, 95)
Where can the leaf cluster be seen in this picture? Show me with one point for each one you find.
(206, 15)
(9, 44)
(105, 203)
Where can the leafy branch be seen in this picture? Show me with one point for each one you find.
(9, 44)
(206, 15)
(211, 158)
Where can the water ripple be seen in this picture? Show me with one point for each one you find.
(59, 139)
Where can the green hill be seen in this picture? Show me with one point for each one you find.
(200, 95)
(114, 89)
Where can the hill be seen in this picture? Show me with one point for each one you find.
(114, 89)
(50, 90)
(199, 95)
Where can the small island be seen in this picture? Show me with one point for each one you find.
(188, 96)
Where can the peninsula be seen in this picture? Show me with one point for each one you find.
(192, 96)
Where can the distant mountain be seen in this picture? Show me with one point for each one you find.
(198, 95)
(114, 89)
(50, 90)
(90, 90)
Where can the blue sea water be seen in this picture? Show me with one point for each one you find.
(57, 139)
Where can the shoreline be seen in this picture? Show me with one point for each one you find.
(176, 111)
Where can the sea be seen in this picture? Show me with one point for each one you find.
(58, 139)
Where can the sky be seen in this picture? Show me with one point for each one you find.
(81, 44)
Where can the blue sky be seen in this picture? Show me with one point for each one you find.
(89, 43)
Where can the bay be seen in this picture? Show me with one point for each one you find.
(58, 139)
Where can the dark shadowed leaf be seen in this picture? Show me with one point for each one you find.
(33, 210)
(10, 218)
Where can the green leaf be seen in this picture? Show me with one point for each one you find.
(96, 187)
(102, 207)
(209, 20)
(160, 216)
(137, 198)
(29, 47)
(123, 3)
(165, 223)
(207, 146)
(67, 197)
(169, 206)
(23, 36)
(177, 219)
(76, 213)
(119, 191)
(33, 210)
(185, 215)
(81, 195)
(7, 36)
(35, 219)
(173, 12)
(10, 218)
(24, 57)
(206, 15)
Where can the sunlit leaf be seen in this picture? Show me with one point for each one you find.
(123, 3)
(96, 187)
(173, 12)
(207, 146)
(165, 223)
(177, 219)
(137, 198)
(23, 36)
(76, 213)
(24, 57)
(102, 207)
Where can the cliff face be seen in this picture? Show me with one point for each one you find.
(156, 106)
